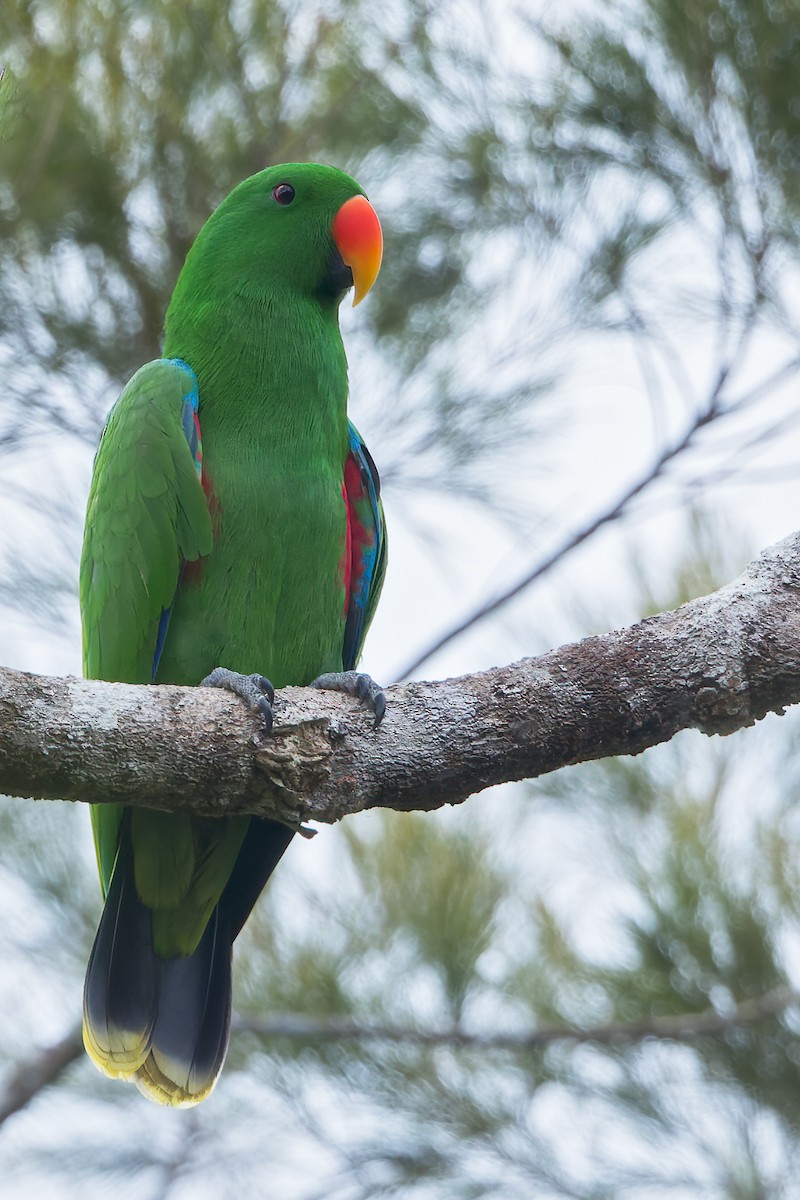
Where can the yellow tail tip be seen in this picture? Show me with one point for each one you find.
(139, 1066)
(157, 1086)
(122, 1059)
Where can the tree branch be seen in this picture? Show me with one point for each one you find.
(33, 1074)
(717, 664)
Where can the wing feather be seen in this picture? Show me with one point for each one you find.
(147, 515)
(367, 536)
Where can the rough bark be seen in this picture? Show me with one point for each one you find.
(717, 664)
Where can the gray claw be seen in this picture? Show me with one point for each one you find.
(379, 706)
(358, 684)
(256, 691)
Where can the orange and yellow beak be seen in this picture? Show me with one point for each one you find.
(359, 239)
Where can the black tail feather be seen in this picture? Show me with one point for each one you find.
(165, 1021)
(120, 994)
(262, 850)
(190, 1035)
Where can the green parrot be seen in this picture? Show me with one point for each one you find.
(261, 545)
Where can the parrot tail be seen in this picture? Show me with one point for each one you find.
(164, 1022)
(120, 995)
(190, 1033)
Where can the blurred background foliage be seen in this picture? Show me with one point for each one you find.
(591, 220)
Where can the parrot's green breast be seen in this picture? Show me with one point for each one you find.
(270, 596)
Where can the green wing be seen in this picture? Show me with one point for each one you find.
(147, 515)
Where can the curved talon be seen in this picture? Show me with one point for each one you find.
(379, 707)
(358, 684)
(256, 691)
(265, 708)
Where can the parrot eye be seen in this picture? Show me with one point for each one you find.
(283, 193)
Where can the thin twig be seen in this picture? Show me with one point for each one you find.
(709, 413)
(35, 1074)
(677, 1027)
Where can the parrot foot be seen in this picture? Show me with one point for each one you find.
(256, 691)
(355, 683)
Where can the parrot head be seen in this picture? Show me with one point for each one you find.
(298, 228)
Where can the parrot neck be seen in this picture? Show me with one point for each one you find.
(265, 366)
